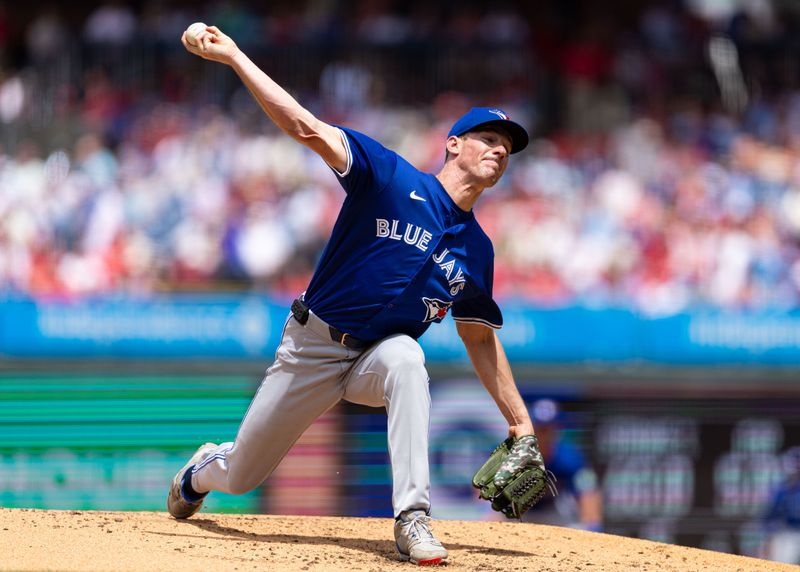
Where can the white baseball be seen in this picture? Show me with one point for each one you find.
(194, 31)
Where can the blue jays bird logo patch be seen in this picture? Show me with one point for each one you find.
(437, 309)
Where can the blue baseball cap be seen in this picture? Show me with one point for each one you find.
(478, 117)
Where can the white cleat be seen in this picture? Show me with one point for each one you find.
(178, 506)
(415, 540)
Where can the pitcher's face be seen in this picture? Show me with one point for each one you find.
(484, 154)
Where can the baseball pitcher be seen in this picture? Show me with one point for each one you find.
(406, 249)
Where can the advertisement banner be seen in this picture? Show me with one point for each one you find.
(250, 326)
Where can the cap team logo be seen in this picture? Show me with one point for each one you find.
(499, 113)
(437, 309)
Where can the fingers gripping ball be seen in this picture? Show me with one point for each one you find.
(194, 32)
(514, 478)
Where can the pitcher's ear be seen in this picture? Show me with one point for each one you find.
(453, 145)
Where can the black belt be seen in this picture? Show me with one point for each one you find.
(300, 313)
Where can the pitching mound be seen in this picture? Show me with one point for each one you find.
(85, 540)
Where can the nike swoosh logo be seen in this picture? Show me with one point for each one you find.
(416, 197)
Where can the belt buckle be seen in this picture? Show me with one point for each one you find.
(344, 337)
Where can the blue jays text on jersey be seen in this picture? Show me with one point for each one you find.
(402, 253)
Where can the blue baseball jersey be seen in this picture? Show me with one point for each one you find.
(784, 509)
(569, 466)
(402, 253)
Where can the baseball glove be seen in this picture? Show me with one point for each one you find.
(514, 478)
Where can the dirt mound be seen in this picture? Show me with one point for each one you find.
(87, 540)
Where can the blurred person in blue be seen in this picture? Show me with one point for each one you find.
(579, 502)
(406, 249)
(782, 519)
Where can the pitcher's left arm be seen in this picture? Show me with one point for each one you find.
(492, 367)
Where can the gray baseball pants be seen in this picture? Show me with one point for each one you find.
(311, 373)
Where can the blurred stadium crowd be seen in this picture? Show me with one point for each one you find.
(664, 171)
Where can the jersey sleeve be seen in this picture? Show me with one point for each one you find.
(370, 165)
(481, 308)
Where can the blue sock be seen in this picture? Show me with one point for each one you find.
(187, 491)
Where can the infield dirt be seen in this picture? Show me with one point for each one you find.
(137, 541)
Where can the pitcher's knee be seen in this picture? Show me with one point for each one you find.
(408, 376)
(403, 354)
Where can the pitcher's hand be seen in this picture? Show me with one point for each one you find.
(520, 429)
(213, 45)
